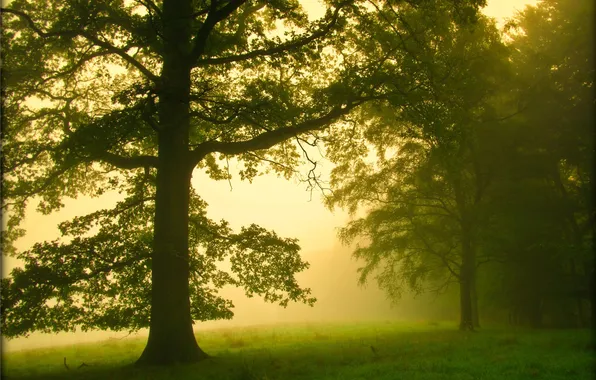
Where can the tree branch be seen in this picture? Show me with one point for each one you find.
(274, 50)
(81, 33)
(128, 162)
(272, 162)
(446, 261)
(312, 179)
(213, 17)
(150, 6)
(268, 139)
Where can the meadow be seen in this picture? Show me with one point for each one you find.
(374, 350)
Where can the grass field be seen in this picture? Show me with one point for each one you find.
(420, 351)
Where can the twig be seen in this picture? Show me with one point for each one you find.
(228, 170)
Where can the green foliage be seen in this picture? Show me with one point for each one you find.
(417, 167)
(103, 280)
(81, 93)
(490, 146)
(542, 206)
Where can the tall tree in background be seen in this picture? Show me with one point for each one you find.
(558, 42)
(545, 201)
(424, 190)
(133, 96)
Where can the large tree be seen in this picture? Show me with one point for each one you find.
(555, 56)
(424, 167)
(133, 96)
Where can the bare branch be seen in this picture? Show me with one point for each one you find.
(229, 175)
(440, 289)
(272, 162)
(312, 179)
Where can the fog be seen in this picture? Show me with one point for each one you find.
(274, 203)
(286, 207)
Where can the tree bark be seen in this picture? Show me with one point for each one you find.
(579, 285)
(467, 278)
(171, 336)
(468, 262)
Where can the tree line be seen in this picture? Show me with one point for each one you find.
(486, 181)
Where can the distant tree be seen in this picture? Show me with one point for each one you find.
(133, 96)
(544, 200)
(422, 167)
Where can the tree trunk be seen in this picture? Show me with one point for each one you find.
(579, 303)
(171, 337)
(474, 295)
(466, 310)
(466, 283)
(467, 270)
(512, 317)
(592, 286)
(468, 260)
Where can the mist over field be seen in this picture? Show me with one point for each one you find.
(307, 190)
(333, 279)
(332, 275)
(292, 211)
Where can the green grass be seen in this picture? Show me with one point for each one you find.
(333, 351)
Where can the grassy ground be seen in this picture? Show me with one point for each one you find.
(333, 351)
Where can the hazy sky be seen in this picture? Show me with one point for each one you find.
(273, 203)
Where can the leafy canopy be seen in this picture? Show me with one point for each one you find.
(83, 85)
(418, 171)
